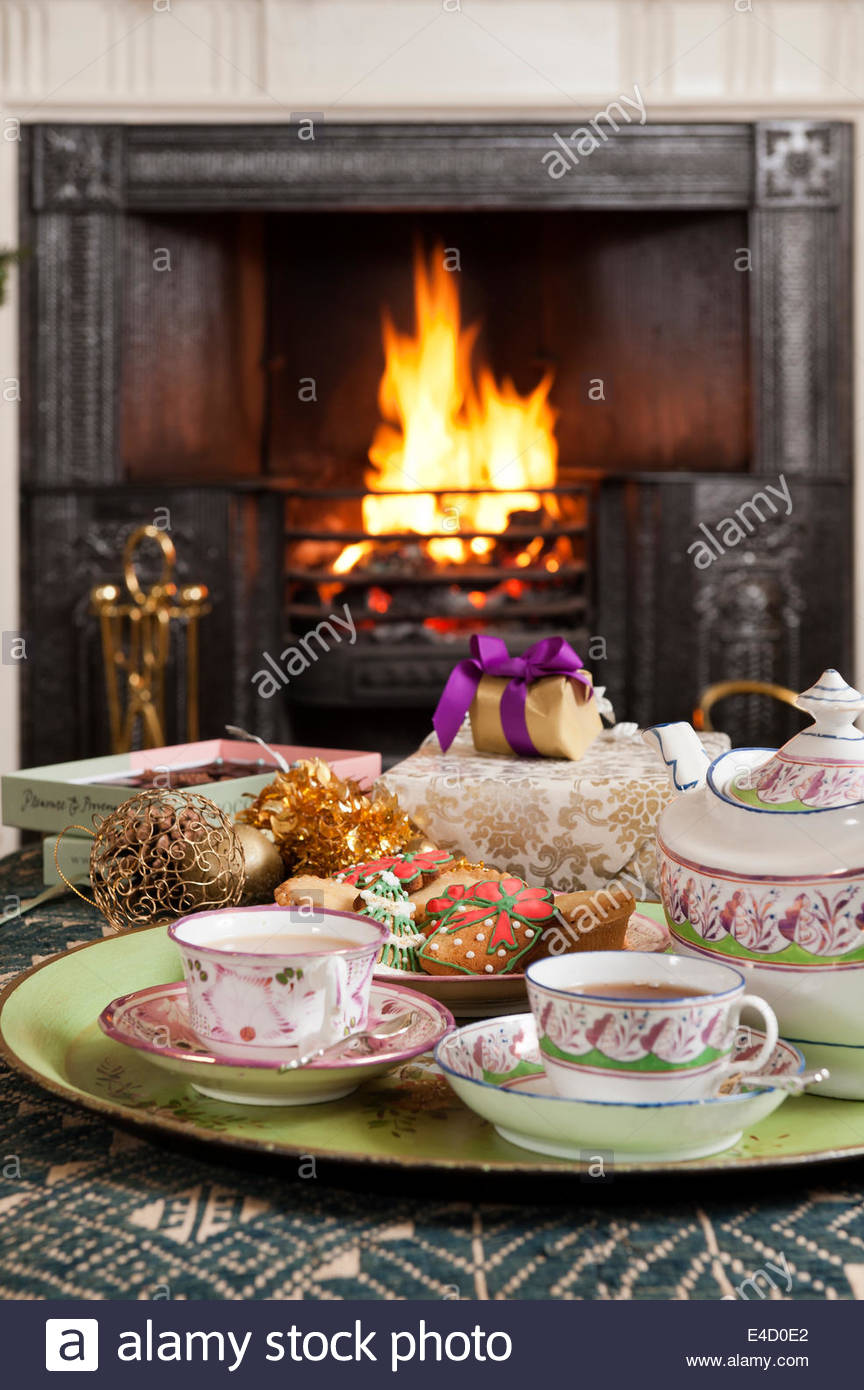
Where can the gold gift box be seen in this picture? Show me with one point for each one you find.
(561, 716)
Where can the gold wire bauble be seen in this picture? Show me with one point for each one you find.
(164, 853)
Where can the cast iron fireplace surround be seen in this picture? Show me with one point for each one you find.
(776, 608)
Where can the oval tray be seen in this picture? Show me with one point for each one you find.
(408, 1119)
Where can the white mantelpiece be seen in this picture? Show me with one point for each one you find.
(266, 60)
(167, 59)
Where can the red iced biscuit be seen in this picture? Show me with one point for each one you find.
(484, 928)
(412, 868)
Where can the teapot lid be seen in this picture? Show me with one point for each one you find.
(822, 767)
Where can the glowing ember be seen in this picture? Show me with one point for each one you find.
(350, 556)
(378, 599)
(442, 430)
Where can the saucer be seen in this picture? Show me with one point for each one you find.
(495, 1069)
(488, 996)
(155, 1021)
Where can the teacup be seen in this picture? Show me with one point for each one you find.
(277, 979)
(618, 1043)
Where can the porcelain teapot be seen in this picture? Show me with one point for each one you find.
(761, 863)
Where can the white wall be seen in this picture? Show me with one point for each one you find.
(8, 472)
(363, 59)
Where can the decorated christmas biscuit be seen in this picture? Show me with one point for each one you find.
(421, 897)
(589, 921)
(484, 928)
(310, 892)
(412, 869)
(383, 898)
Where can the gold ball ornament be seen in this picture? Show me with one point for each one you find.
(162, 854)
(264, 867)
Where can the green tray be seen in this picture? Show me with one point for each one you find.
(408, 1119)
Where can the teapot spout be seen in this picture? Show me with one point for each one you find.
(682, 751)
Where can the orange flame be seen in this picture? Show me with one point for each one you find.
(441, 431)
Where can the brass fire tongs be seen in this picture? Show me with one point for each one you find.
(136, 640)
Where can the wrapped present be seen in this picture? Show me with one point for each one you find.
(565, 825)
(540, 703)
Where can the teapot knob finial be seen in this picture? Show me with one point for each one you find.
(833, 704)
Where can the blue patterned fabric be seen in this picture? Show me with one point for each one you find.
(90, 1211)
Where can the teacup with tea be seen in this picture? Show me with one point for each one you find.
(632, 1026)
(270, 980)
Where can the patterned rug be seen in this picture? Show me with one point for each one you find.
(91, 1211)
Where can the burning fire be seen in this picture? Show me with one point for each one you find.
(442, 431)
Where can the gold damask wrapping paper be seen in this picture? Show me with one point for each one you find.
(566, 825)
(561, 716)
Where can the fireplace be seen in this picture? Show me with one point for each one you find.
(625, 357)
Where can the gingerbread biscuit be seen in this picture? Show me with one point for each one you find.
(414, 868)
(421, 897)
(588, 921)
(485, 928)
(384, 899)
(310, 892)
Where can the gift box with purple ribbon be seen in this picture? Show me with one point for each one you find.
(539, 704)
(568, 825)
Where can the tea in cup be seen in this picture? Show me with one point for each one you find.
(276, 980)
(634, 1026)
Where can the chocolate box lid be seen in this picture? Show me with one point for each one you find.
(52, 797)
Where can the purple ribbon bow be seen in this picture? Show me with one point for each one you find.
(489, 657)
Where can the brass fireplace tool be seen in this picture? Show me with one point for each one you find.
(136, 638)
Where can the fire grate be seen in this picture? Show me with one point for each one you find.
(414, 614)
(403, 587)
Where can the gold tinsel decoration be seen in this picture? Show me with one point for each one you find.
(162, 854)
(322, 824)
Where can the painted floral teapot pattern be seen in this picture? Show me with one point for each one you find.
(761, 862)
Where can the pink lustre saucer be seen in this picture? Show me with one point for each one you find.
(155, 1022)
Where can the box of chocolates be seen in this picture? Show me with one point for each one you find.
(228, 771)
